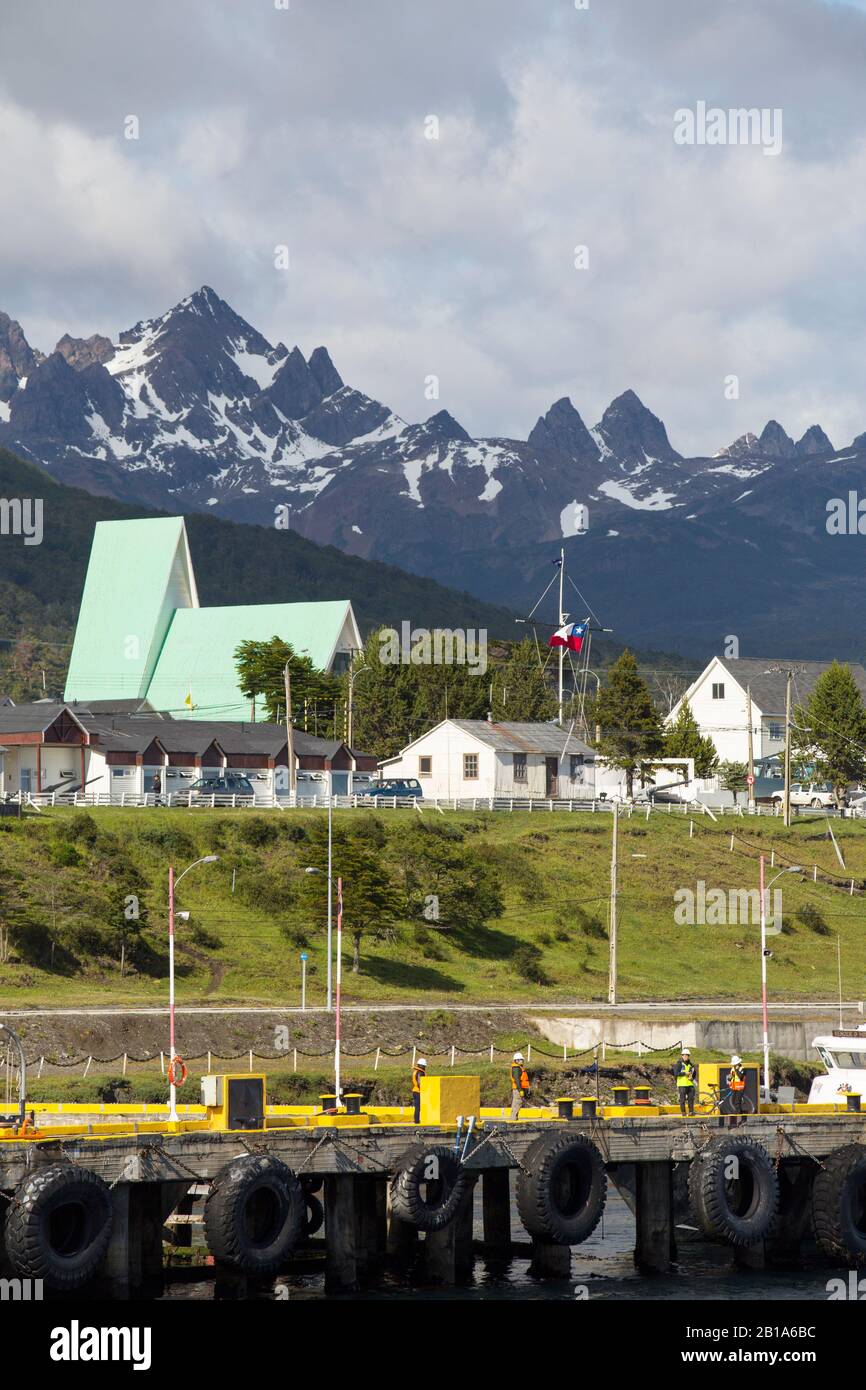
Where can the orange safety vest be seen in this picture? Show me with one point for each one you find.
(521, 1084)
(417, 1073)
(736, 1079)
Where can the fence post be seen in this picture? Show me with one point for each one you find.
(452, 1054)
(251, 1059)
(815, 874)
(295, 1065)
(41, 1064)
(209, 1062)
(87, 1068)
(691, 830)
(162, 1062)
(565, 1052)
(414, 1051)
(529, 1052)
(491, 1052)
(772, 859)
(376, 1063)
(124, 1064)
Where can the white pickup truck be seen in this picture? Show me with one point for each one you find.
(815, 794)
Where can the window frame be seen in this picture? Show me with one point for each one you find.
(428, 759)
(467, 759)
(519, 761)
(720, 687)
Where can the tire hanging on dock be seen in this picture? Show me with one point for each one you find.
(428, 1186)
(315, 1214)
(839, 1205)
(58, 1226)
(734, 1190)
(562, 1189)
(255, 1214)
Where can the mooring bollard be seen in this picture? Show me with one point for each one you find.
(566, 1108)
(853, 1100)
(353, 1103)
(620, 1095)
(328, 1102)
(641, 1095)
(588, 1107)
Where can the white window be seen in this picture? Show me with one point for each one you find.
(718, 690)
(470, 766)
(425, 766)
(775, 731)
(520, 767)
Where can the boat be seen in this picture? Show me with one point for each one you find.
(843, 1053)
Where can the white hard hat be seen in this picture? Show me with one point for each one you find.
(687, 1052)
(518, 1056)
(735, 1061)
(422, 1062)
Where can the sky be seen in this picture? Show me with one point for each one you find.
(725, 285)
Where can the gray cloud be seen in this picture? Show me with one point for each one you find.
(455, 257)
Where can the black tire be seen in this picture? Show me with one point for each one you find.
(312, 1182)
(839, 1205)
(562, 1189)
(740, 1210)
(315, 1214)
(428, 1186)
(58, 1226)
(255, 1214)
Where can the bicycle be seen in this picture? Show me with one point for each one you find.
(711, 1102)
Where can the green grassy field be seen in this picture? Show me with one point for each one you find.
(64, 869)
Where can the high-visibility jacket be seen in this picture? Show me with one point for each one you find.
(686, 1073)
(417, 1073)
(737, 1079)
(519, 1077)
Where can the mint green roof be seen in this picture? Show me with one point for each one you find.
(139, 573)
(198, 653)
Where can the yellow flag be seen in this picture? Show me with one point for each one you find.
(188, 700)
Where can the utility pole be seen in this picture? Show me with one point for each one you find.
(788, 748)
(611, 987)
(751, 783)
(290, 733)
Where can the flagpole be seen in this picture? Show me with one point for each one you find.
(561, 622)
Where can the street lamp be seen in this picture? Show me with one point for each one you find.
(172, 885)
(311, 870)
(793, 869)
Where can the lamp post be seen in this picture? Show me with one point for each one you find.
(793, 869)
(172, 886)
(311, 870)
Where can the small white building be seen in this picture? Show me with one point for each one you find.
(719, 702)
(475, 757)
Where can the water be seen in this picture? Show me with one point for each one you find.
(602, 1266)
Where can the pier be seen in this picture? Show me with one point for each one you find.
(391, 1192)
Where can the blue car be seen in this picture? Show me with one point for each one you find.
(397, 786)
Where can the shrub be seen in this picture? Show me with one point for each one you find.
(65, 854)
(812, 918)
(527, 963)
(257, 831)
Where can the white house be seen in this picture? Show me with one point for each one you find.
(719, 702)
(475, 757)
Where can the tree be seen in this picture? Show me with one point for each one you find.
(830, 730)
(631, 728)
(521, 690)
(684, 740)
(733, 776)
(261, 673)
(442, 879)
(371, 906)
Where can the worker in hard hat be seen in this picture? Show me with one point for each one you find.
(686, 1075)
(419, 1070)
(519, 1084)
(736, 1083)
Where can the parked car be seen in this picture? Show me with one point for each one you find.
(815, 794)
(221, 786)
(396, 786)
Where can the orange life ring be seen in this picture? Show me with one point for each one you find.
(174, 1080)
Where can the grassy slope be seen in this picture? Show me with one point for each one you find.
(549, 864)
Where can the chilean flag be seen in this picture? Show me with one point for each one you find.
(570, 636)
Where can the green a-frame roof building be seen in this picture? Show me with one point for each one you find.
(142, 634)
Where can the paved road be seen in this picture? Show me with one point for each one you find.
(521, 1006)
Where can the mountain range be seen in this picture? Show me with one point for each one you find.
(195, 411)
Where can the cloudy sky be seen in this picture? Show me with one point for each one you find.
(262, 126)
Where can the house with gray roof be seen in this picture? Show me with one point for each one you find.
(719, 701)
(478, 758)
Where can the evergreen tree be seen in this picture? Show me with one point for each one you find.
(261, 666)
(733, 776)
(830, 730)
(631, 728)
(371, 904)
(684, 740)
(521, 689)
